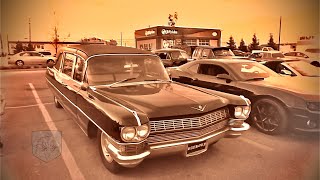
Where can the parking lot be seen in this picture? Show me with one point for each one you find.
(30, 108)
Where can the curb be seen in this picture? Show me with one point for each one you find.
(14, 67)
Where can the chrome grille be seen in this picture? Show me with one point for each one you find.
(188, 123)
(173, 136)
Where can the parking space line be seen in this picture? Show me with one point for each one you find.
(26, 106)
(261, 146)
(67, 157)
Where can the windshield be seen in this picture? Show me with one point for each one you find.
(304, 68)
(179, 55)
(109, 69)
(223, 52)
(277, 55)
(251, 70)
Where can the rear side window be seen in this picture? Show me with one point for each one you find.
(78, 70)
(46, 53)
(68, 63)
(212, 70)
(59, 60)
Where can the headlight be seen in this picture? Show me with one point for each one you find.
(128, 133)
(242, 112)
(142, 131)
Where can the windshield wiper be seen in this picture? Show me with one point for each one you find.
(255, 79)
(122, 81)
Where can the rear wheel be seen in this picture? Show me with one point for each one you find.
(56, 102)
(269, 117)
(19, 63)
(106, 158)
(50, 61)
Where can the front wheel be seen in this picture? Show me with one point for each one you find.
(19, 63)
(56, 102)
(106, 158)
(269, 116)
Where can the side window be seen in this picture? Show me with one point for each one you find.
(68, 63)
(162, 55)
(35, 54)
(78, 70)
(212, 70)
(59, 60)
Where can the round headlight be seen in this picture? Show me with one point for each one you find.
(246, 110)
(143, 130)
(128, 133)
(238, 112)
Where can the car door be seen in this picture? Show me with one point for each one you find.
(37, 58)
(66, 83)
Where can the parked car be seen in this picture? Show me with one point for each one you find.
(279, 103)
(240, 53)
(172, 57)
(210, 52)
(125, 95)
(30, 58)
(293, 68)
(296, 54)
(260, 56)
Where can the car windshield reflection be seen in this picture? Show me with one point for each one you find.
(112, 70)
(252, 71)
(304, 68)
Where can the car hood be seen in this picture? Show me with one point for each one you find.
(305, 87)
(163, 99)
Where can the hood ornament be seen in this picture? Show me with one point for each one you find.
(200, 108)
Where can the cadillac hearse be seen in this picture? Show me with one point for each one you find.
(124, 97)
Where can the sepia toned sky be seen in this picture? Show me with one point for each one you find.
(108, 18)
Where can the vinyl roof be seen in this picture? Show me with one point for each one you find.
(94, 49)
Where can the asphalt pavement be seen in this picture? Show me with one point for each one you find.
(30, 109)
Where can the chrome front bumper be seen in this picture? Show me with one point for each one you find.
(175, 147)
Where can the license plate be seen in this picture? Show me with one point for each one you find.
(196, 148)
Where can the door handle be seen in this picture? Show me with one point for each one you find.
(63, 84)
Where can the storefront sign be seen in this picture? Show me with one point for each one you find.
(149, 33)
(169, 31)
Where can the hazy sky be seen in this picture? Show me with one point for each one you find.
(107, 18)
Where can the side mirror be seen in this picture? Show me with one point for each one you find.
(84, 86)
(224, 76)
(286, 72)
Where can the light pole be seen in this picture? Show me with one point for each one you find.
(279, 35)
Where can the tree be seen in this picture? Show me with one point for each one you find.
(255, 43)
(55, 39)
(19, 47)
(271, 42)
(243, 47)
(232, 43)
(30, 47)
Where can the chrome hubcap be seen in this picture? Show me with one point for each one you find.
(19, 63)
(104, 144)
(266, 117)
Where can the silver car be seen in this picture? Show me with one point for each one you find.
(30, 58)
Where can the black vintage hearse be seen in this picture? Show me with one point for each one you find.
(124, 97)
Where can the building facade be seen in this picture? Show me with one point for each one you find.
(159, 37)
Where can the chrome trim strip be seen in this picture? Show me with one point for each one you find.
(127, 158)
(245, 126)
(132, 111)
(76, 107)
(189, 141)
(119, 143)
